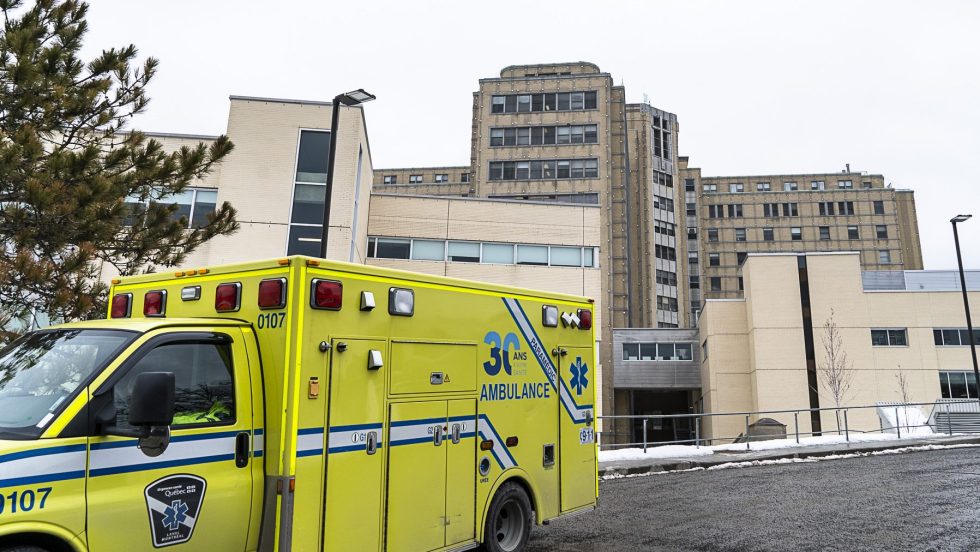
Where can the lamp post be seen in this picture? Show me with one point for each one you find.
(966, 300)
(356, 97)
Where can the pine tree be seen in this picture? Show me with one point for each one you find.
(78, 188)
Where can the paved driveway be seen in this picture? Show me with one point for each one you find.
(900, 502)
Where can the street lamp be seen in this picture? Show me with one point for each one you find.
(966, 300)
(356, 97)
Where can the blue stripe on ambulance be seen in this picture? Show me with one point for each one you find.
(499, 450)
(576, 412)
(309, 442)
(42, 465)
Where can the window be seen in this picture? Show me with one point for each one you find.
(879, 207)
(824, 232)
(845, 207)
(469, 252)
(391, 179)
(691, 209)
(562, 101)
(826, 208)
(668, 304)
(884, 257)
(666, 278)
(889, 338)
(692, 257)
(734, 210)
(818, 185)
(694, 282)
(688, 184)
(631, 351)
(852, 233)
(763, 187)
(464, 177)
(532, 255)
(666, 253)
(415, 179)
(845, 184)
(544, 170)
(704, 350)
(664, 228)
(711, 187)
(866, 185)
(311, 162)
(692, 233)
(716, 211)
(790, 186)
(663, 203)
(881, 231)
(736, 188)
(715, 283)
(770, 210)
(741, 284)
(958, 385)
(428, 250)
(566, 256)
(194, 205)
(768, 234)
(741, 256)
(498, 253)
(714, 259)
(392, 248)
(442, 178)
(953, 337)
(205, 390)
(796, 233)
(740, 234)
(658, 351)
(791, 210)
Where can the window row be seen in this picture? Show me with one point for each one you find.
(663, 203)
(554, 101)
(544, 135)
(796, 233)
(439, 178)
(952, 337)
(714, 259)
(775, 210)
(664, 228)
(544, 170)
(658, 351)
(790, 186)
(193, 204)
(586, 198)
(666, 253)
(481, 252)
(666, 303)
(666, 278)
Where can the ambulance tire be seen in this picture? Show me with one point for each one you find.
(23, 548)
(508, 525)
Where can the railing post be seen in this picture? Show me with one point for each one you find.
(747, 442)
(697, 432)
(847, 432)
(949, 419)
(898, 427)
(644, 435)
(796, 423)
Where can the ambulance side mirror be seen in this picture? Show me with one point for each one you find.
(152, 402)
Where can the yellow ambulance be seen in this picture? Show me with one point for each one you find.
(299, 404)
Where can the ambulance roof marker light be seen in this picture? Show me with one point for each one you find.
(326, 294)
(122, 305)
(272, 293)
(228, 297)
(401, 301)
(283, 262)
(549, 316)
(155, 303)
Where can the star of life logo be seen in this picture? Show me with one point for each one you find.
(174, 504)
(579, 381)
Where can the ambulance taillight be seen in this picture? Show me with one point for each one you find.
(272, 293)
(327, 294)
(122, 305)
(228, 297)
(155, 303)
(584, 319)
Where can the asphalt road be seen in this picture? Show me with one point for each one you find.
(922, 501)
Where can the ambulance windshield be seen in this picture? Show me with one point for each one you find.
(42, 370)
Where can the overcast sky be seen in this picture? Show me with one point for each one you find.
(890, 87)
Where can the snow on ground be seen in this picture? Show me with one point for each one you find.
(911, 420)
(683, 451)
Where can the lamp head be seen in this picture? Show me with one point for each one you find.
(355, 97)
(960, 218)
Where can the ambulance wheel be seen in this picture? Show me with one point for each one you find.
(23, 548)
(508, 525)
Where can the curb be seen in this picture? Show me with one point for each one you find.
(684, 464)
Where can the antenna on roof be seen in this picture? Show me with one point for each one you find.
(848, 165)
(646, 99)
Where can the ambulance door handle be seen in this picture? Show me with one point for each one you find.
(372, 442)
(241, 449)
(437, 435)
(456, 434)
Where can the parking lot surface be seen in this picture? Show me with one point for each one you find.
(928, 501)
